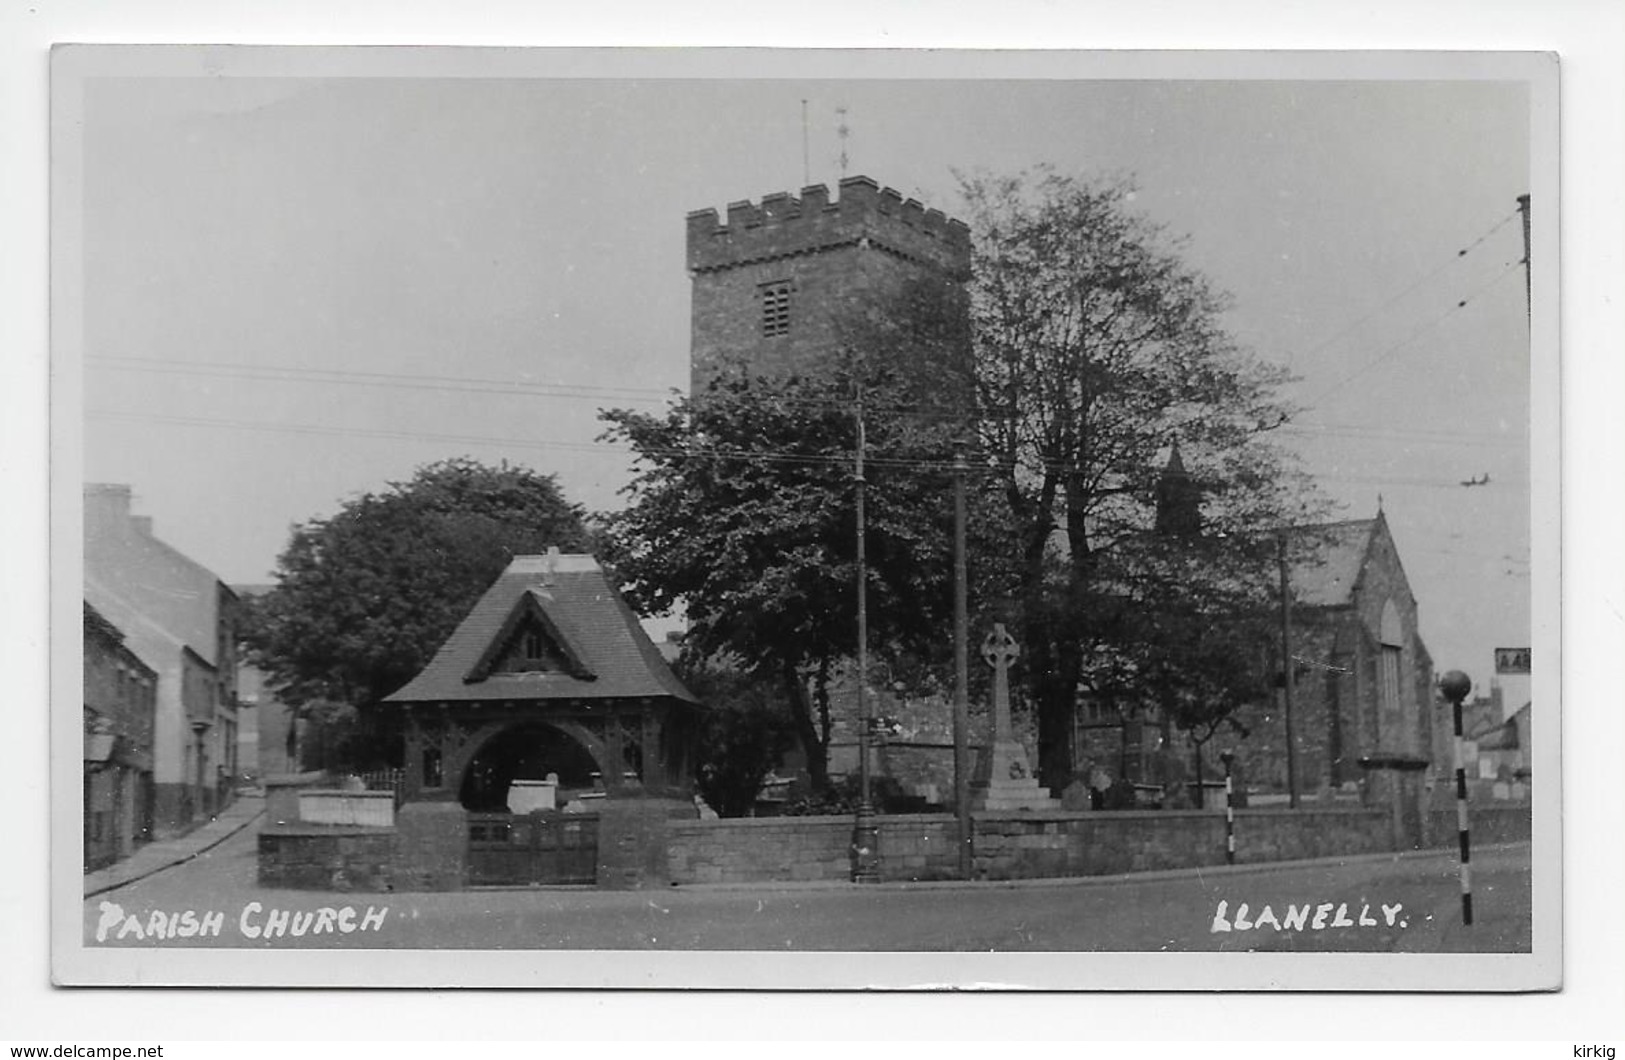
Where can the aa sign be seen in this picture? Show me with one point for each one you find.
(1511, 660)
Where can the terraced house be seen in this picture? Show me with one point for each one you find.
(180, 621)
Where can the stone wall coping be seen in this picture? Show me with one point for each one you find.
(294, 780)
(1167, 815)
(844, 820)
(307, 828)
(348, 794)
(812, 822)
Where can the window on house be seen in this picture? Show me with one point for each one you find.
(775, 308)
(432, 777)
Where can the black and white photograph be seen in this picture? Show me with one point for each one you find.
(703, 518)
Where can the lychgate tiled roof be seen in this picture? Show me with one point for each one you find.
(616, 658)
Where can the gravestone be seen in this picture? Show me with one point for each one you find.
(1009, 784)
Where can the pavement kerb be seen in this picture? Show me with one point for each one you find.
(186, 848)
(1094, 881)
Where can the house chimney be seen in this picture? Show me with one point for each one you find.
(107, 505)
(550, 565)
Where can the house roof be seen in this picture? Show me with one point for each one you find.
(1325, 561)
(147, 640)
(612, 656)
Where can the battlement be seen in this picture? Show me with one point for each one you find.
(784, 226)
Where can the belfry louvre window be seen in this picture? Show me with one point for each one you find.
(776, 308)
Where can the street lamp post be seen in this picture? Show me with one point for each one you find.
(1455, 685)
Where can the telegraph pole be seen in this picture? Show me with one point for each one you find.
(865, 835)
(961, 672)
(1288, 680)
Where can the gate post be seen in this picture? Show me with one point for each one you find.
(431, 846)
(632, 841)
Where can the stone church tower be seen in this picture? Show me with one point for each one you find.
(786, 285)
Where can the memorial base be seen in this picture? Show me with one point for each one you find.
(1009, 783)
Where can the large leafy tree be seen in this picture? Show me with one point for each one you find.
(743, 737)
(742, 513)
(1097, 347)
(364, 598)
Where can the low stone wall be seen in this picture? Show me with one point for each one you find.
(1045, 844)
(428, 854)
(767, 849)
(282, 794)
(1016, 846)
(1485, 824)
(326, 857)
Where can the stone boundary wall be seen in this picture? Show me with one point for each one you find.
(316, 857)
(1016, 846)
(1485, 824)
(1047, 844)
(776, 849)
(1031, 845)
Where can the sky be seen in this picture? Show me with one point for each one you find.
(296, 290)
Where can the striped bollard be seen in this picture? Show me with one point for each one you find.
(1229, 810)
(1455, 685)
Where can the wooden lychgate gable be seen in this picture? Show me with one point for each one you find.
(529, 641)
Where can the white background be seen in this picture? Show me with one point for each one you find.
(1590, 37)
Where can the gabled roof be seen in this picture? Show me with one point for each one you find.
(150, 642)
(611, 656)
(1325, 561)
(531, 612)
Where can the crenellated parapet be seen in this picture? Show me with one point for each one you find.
(865, 214)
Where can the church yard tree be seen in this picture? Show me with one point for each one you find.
(742, 514)
(364, 598)
(1097, 348)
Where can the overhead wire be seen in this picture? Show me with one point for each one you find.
(840, 459)
(1352, 326)
(526, 388)
(1390, 352)
(513, 388)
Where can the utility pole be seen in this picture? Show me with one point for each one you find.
(1288, 679)
(1523, 208)
(865, 835)
(961, 671)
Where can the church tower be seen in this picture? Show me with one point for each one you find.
(1179, 499)
(783, 286)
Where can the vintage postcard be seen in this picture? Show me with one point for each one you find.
(804, 520)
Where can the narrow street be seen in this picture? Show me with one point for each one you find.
(1392, 905)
